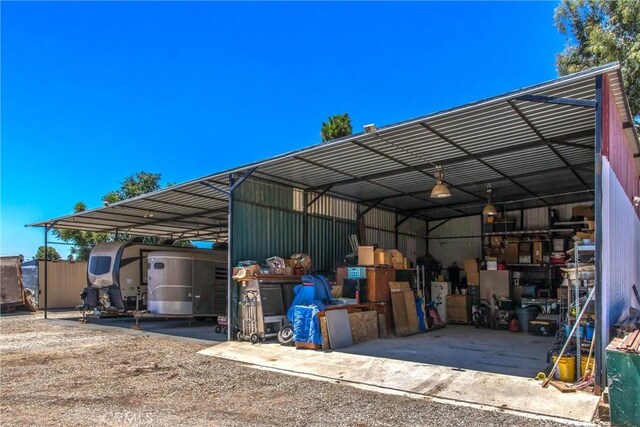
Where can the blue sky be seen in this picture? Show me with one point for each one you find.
(93, 92)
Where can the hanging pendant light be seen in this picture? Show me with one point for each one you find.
(440, 190)
(489, 209)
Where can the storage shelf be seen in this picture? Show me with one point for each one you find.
(524, 232)
(571, 222)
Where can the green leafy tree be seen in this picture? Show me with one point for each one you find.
(598, 32)
(337, 126)
(52, 254)
(132, 186)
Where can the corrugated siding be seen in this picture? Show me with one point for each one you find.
(620, 251)
(65, 282)
(329, 242)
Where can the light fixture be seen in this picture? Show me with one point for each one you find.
(440, 190)
(489, 209)
(370, 128)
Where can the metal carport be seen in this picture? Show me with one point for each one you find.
(537, 146)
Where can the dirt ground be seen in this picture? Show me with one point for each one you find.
(55, 375)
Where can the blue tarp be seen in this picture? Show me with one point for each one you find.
(306, 327)
(311, 297)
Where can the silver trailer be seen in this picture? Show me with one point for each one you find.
(117, 274)
(187, 283)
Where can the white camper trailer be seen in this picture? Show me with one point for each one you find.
(117, 274)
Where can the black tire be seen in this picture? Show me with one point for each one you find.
(285, 336)
(254, 338)
(218, 329)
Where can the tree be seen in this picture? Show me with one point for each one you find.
(598, 32)
(52, 254)
(132, 186)
(338, 126)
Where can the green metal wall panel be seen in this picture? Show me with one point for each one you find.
(623, 373)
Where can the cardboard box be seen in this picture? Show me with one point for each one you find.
(471, 265)
(524, 252)
(558, 245)
(585, 211)
(492, 265)
(251, 271)
(382, 257)
(510, 253)
(473, 279)
(366, 255)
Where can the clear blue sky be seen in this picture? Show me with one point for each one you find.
(92, 92)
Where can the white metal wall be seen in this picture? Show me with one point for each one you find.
(620, 250)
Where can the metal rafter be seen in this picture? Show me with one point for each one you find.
(575, 102)
(475, 157)
(584, 167)
(541, 136)
(465, 158)
(413, 168)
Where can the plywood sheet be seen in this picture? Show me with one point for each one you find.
(364, 326)
(338, 328)
(405, 315)
(324, 332)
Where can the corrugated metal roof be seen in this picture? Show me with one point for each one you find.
(524, 149)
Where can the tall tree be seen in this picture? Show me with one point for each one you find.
(52, 254)
(598, 32)
(132, 186)
(337, 126)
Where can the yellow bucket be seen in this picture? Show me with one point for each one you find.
(566, 368)
(583, 364)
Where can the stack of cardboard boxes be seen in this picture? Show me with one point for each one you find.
(472, 269)
(369, 256)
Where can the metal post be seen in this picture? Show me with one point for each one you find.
(600, 363)
(46, 279)
(305, 223)
(231, 319)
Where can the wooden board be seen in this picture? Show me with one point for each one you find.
(397, 286)
(338, 328)
(405, 315)
(364, 326)
(325, 333)
(382, 326)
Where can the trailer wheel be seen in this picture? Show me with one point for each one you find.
(254, 338)
(240, 336)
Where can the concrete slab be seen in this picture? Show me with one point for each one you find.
(464, 347)
(485, 389)
(181, 329)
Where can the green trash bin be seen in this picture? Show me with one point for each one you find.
(623, 377)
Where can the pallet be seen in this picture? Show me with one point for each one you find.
(308, 345)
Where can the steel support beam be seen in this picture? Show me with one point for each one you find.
(317, 196)
(542, 138)
(459, 159)
(601, 368)
(438, 225)
(558, 100)
(46, 273)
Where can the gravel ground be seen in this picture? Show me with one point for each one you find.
(67, 376)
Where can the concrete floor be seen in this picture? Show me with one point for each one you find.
(465, 347)
(458, 364)
(183, 329)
